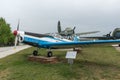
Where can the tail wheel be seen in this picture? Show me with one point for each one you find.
(49, 54)
(35, 53)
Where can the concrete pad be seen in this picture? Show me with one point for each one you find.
(116, 47)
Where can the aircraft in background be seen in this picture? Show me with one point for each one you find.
(51, 42)
(114, 35)
(71, 32)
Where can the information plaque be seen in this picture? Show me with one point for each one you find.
(71, 54)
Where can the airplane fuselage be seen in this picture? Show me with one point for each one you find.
(46, 41)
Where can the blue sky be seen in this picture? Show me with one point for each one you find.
(41, 16)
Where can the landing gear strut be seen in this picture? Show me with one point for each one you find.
(49, 54)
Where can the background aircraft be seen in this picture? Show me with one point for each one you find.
(114, 35)
(71, 32)
(50, 42)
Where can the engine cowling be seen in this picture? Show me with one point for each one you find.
(116, 33)
(21, 39)
(20, 36)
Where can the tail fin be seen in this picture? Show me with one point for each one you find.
(59, 27)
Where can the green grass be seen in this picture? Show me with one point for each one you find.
(94, 63)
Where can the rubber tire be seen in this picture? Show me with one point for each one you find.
(49, 54)
(35, 53)
(118, 45)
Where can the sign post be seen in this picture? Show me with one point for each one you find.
(70, 56)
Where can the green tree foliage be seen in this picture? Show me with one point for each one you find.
(6, 36)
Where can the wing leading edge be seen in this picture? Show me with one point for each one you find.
(79, 43)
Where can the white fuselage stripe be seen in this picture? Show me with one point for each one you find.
(43, 38)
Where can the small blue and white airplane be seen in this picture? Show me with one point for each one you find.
(51, 42)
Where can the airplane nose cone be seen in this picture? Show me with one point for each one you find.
(15, 32)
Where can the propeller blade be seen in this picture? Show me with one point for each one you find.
(110, 32)
(16, 35)
(18, 25)
(16, 40)
(74, 30)
(59, 27)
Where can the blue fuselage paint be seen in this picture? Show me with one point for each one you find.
(48, 42)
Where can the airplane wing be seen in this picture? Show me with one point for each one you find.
(78, 34)
(84, 33)
(78, 43)
(99, 37)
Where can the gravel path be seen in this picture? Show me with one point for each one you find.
(5, 51)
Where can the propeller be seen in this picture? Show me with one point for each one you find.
(59, 27)
(74, 30)
(16, 40)
(16, 35)
(108, 35)
(18, 25)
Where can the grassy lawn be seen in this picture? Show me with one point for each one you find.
(93, 63)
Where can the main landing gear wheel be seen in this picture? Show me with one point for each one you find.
(35, 53)
(118, 45)
(49, 54)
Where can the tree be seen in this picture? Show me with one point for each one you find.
(6, 36)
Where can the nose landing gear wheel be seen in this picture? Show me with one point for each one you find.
(35, 53)
(49, 54)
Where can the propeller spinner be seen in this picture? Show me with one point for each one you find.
(15, 33)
